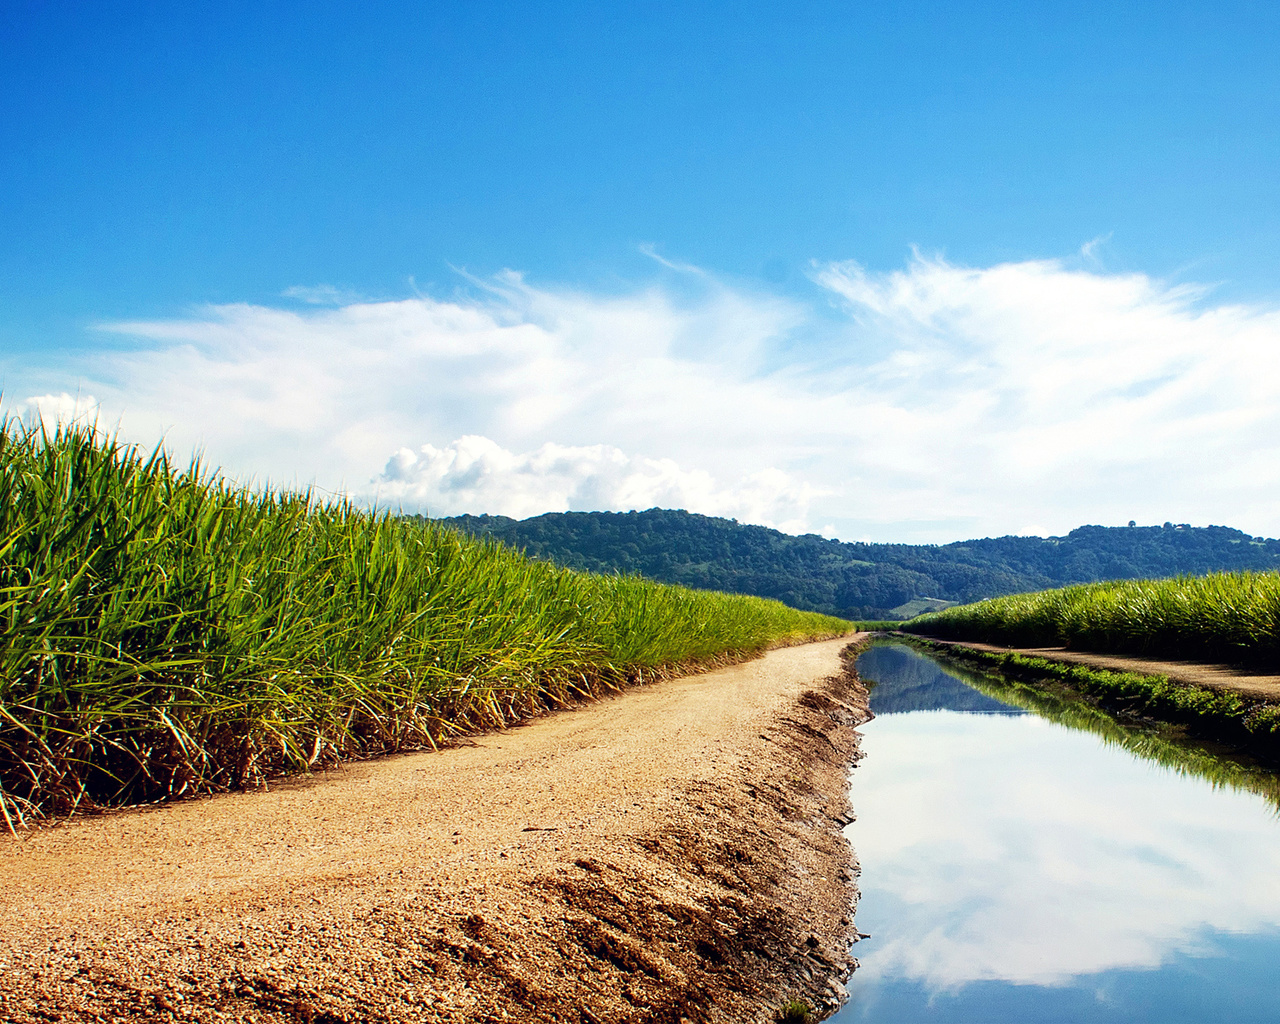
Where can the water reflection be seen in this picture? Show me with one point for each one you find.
(1017, 869)
(902, 680)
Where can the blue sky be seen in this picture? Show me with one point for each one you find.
(845, 216)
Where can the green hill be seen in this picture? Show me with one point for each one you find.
(865, 581)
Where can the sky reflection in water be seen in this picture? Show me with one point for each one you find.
(1014, 869)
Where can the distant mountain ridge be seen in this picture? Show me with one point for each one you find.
(864, 581)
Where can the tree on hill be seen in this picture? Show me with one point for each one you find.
(863, 581)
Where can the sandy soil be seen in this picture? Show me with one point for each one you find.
(669, 854)
(1216, 677)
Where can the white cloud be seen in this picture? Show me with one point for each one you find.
(477, 473)
(936, 402)
(1085, 859)
(1027, 392)
(63, 408)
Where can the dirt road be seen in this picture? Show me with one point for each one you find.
(672, 853)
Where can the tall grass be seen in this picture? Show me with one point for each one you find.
(164, 632)
(1229, 616)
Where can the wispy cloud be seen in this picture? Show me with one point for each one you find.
(942, 401)
(1090, 248)
(322, 295)
(651, 250)
(1030, 387)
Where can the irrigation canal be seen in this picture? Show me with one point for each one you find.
(1028, 860)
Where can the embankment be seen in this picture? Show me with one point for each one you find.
(672, 853)
(1224, 703)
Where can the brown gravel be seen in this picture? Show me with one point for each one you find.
(670, 854)
(1215, 677)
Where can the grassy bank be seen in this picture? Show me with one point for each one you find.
(164, 632)
(1214, 714)
(1233, 617)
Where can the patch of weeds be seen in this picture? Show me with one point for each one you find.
(796, 1011)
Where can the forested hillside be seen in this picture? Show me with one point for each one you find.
(864, 580)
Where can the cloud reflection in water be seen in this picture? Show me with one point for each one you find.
(1011, 849)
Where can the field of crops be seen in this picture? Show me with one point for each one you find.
(1232, 617)
(163, 632)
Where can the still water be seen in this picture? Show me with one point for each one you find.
(1046, 865)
